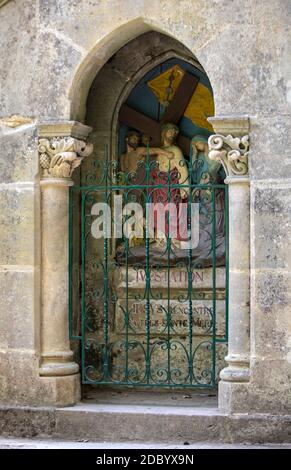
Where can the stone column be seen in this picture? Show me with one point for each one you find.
(61, 151)
(230, 147)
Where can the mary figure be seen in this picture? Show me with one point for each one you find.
(206, 175)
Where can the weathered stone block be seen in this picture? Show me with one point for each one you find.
(19, 315)
(18, 225)
(19, 155)
(66, 390)
(270, 12)
(22, 367)
(270, 150)
(233, 397)
(25, 422)
(17, 58)
(50, 98)
(271, 221)
(270, 385)
(270, 313)
(263, 87)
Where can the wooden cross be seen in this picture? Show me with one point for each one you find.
(173, 113)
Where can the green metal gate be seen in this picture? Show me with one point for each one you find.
(145, 314)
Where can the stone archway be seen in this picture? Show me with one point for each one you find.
(115, 82)
(60, 139)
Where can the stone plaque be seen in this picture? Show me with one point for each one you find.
(177, 277)
(177, 322)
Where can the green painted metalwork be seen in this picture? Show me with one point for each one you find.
(126, 316)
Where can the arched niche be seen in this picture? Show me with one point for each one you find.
(110, 89)
(127, 72)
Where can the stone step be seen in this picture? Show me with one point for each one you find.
(142, 420)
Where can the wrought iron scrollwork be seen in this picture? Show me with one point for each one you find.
(149, 309)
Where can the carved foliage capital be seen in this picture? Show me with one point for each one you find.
(231, 151)
(59, 156)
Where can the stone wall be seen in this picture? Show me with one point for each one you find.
(51, 51)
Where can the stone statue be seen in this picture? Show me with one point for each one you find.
(166, 173)
(169, 136)
(133, 167)
(208, 172)
(204, 168)
(131, 161)
(146, 140)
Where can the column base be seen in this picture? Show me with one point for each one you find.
(238, 369)
(63, 391)
(55, 369)
(235, 374)
(233, 397)
(58, 364)
(233, 389)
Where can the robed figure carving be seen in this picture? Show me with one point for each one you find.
(134, 165)
(209, 173)
(169, 201)
(153, 175)
(166, 182)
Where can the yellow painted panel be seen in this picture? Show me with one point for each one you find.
(201, 104)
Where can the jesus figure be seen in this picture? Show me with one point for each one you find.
(172, 180)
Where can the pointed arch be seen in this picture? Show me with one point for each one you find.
(102, 52)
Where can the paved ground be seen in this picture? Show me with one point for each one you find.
(175, 398)
(12, 443)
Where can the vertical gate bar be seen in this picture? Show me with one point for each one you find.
(70, 263)
(213, 286)
(83, 307)
(106, 293)
(105, 309)
(126, 303)
(190, 272)
(224, 339)
(148, 328)
(169, 313)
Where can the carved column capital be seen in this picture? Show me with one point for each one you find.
(62, 147)
(59, 156)
(232, 152)
(230, 145)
